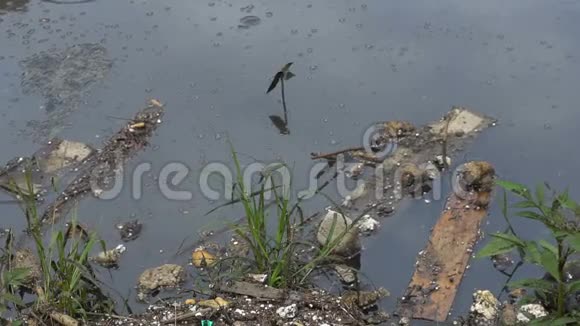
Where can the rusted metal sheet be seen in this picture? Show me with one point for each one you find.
(443, 263)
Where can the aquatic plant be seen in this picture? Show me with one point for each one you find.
(280, 76)
(561, 216)
(10, 278)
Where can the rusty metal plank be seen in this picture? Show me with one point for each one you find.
(443, 263)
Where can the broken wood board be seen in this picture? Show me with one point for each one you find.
(442, 264)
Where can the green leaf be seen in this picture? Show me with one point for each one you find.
(553, 322)
(550, 263)
(540, 193)
(525, 204)
(12, 298)
(514, 187)
(510, 238)
(574, 241)
(548, 246)
(573, 287)
(275, 81)
(530, 215)
(496, 246)
(532, 253)
(532, 283)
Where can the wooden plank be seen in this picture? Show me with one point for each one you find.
(443, 263)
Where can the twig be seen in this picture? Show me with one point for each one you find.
(316, 156)
(187, 315)
(111, 316)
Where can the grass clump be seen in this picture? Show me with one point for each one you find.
(561, 216)
(66, 283)
(274, 231)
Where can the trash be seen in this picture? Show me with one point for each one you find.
(260, 278)
(367, 224)
(442, 264)
(109, 258)
(216, 303)
(130, 230)
(206, 322)
(164, 276)
(201, 258)
(401, 153)
(530, 312)
(287, 312)
(485, 309)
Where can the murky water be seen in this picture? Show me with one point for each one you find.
(356, 62)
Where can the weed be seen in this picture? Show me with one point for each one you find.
(278, 250)
(559, 214)
(67, 282)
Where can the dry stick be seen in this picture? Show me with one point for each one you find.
(333, 155)
(195, 314)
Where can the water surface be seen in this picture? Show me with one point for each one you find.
(356, 62)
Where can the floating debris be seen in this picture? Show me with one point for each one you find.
(164, 276)
(249, 21)
(201, 258)
(130, 230)
(109, 258)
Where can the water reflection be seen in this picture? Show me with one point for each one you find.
(13, 5)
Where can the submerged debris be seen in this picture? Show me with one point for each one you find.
(62, 77)
(24, 258)
(201, 258)
(130, 230)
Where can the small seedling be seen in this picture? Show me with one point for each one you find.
(280, 77)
